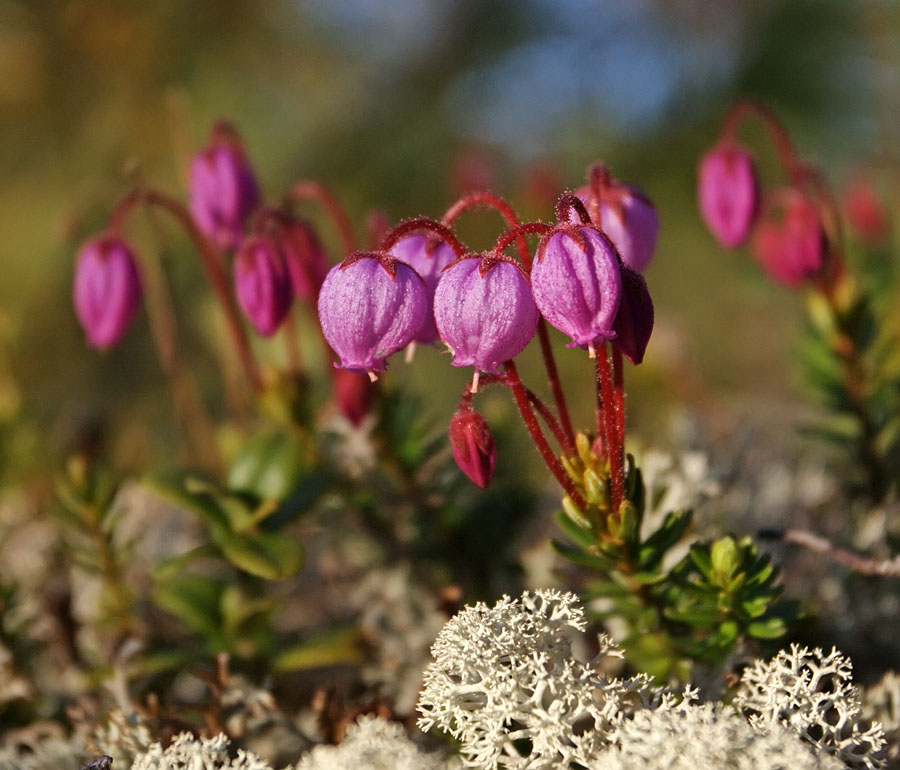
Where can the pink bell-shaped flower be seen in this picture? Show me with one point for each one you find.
(626, 216)
(473, 445)
(484, 311)
(791, 249)
(576, 280)
(728, 193)
(262, 283)
(106, 290)
(634, 321)
(428, 257)
(371, 306)
(223, 188)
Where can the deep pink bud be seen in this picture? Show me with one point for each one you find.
(634, 321)
(577, 285)
(473, 445)
(625, 214)
(262, 283)
(371, 306)
(353, 394)
(223, 188)
(728, 193)
(484, 311)
(428, 258)
(865, 212)
(791, 249)
(106, 290)
(305, 257)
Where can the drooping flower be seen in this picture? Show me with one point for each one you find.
(728, 193)
(106, 290)
(473, 445)
(484, 311)
(223, 188)
(262, 283)
(577, 284)
(428, 258)
(792, 248)
(625, 214)
(634, 321)
(305, 257)
(371, 306)
(353, 394)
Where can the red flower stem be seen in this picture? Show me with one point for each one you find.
(619, 387)
(614, 448)
(520, 394)
(309, 189)
(515, 234)
(422, 223)
(790, 163)
(213, 262)
(484, 198)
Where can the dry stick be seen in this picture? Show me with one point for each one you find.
(521, 396)
(613, 446)
(819, 544)
(489, 199)
(308, 189)
(213, 262)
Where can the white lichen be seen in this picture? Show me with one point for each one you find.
(189, 753)
(505, 684)
(812, 693)
(372, 743)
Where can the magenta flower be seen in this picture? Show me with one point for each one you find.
(626, 216)
(262, 284)
(371, 306)
(106, 290)
(577, 284)
(791, 249)
(428, 258)
(473, 445)
(634, 321)
(353, 394)
(223, 188)
(728, 193)
(484, 311)
(305, 257)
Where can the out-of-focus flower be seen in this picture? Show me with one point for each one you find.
(371, 306)
(106, 290)
(865, 212)
(728, 193)
(223, 188)
(791, 249)
(634, 321)
(353, 394)
(306, 260)
(262, 283)
(484, 311)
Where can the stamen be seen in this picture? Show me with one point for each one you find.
(373, 376)
(410, 353)
(592, 351)
(474, 388)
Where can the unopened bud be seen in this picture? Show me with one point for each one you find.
(473, 446)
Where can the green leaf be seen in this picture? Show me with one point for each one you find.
(269, 555)
(341, 646)
(773, 628)
(182, 489)
(655, 547)
(583, 537)
(268, 466)
(580, 557)
(195, 601)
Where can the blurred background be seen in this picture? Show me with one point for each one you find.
(399, 106)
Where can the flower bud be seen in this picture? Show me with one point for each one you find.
(371, 306)
(791, 249)
(353, 394)
(634, 321)
(473, 446)
(223, 188)
(428, 258)
(728, 194)
(865, 212)
(577, 285)
(106, 290)
(262, 284)
(626, 216)
(305, 258)
(484, 311)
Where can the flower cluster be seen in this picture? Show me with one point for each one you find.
(812, 693)
(789, 225)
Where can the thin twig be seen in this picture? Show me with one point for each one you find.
(819, 544)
